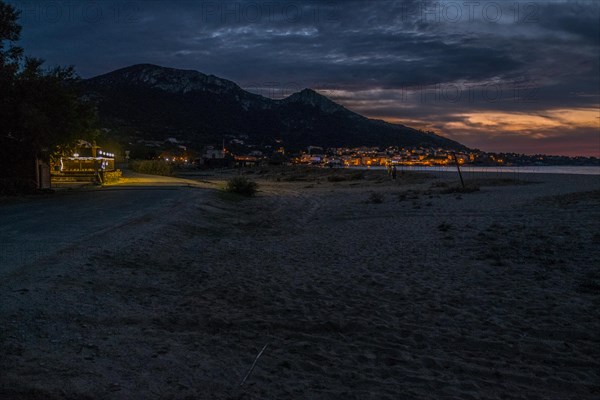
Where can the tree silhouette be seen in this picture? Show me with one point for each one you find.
(40, 111)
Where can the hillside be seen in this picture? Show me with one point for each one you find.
(154, 102)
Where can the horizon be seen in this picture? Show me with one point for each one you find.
(513, 78)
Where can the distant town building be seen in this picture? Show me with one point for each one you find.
(211, 153)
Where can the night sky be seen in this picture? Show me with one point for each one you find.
(499, 76)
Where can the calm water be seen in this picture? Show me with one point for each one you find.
(509, 170)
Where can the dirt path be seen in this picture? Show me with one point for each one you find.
(35, 228)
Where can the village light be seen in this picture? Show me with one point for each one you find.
(75, 154)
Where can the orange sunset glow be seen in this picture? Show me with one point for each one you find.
(529, 133)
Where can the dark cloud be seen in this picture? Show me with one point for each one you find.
(578, 18)
(418, 61)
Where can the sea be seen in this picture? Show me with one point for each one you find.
(468, 169)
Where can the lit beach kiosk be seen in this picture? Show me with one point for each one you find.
(87, 163)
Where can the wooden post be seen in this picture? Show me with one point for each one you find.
(38, 175)
(458, 168)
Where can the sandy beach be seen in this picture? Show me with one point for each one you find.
(359, 286)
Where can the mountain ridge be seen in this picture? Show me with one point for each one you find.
(151, 100)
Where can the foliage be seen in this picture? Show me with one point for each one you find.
(151, 167)
(112, 176)
(40, 109)
(10, 32)
(242, 185)
(48, 112)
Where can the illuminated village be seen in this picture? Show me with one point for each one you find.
(374, 156)
(235, 151)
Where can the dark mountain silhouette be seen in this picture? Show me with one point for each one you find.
(155, 102)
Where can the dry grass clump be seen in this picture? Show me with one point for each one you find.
(469, 188)
(438, 184)
(343, 177)
(241, 185)
(375, 198)
(409, 195)
(592, 198)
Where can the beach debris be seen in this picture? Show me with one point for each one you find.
(253, 365)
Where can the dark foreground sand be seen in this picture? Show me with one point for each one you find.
(431, 294)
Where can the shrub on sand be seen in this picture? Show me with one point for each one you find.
(241, 185)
